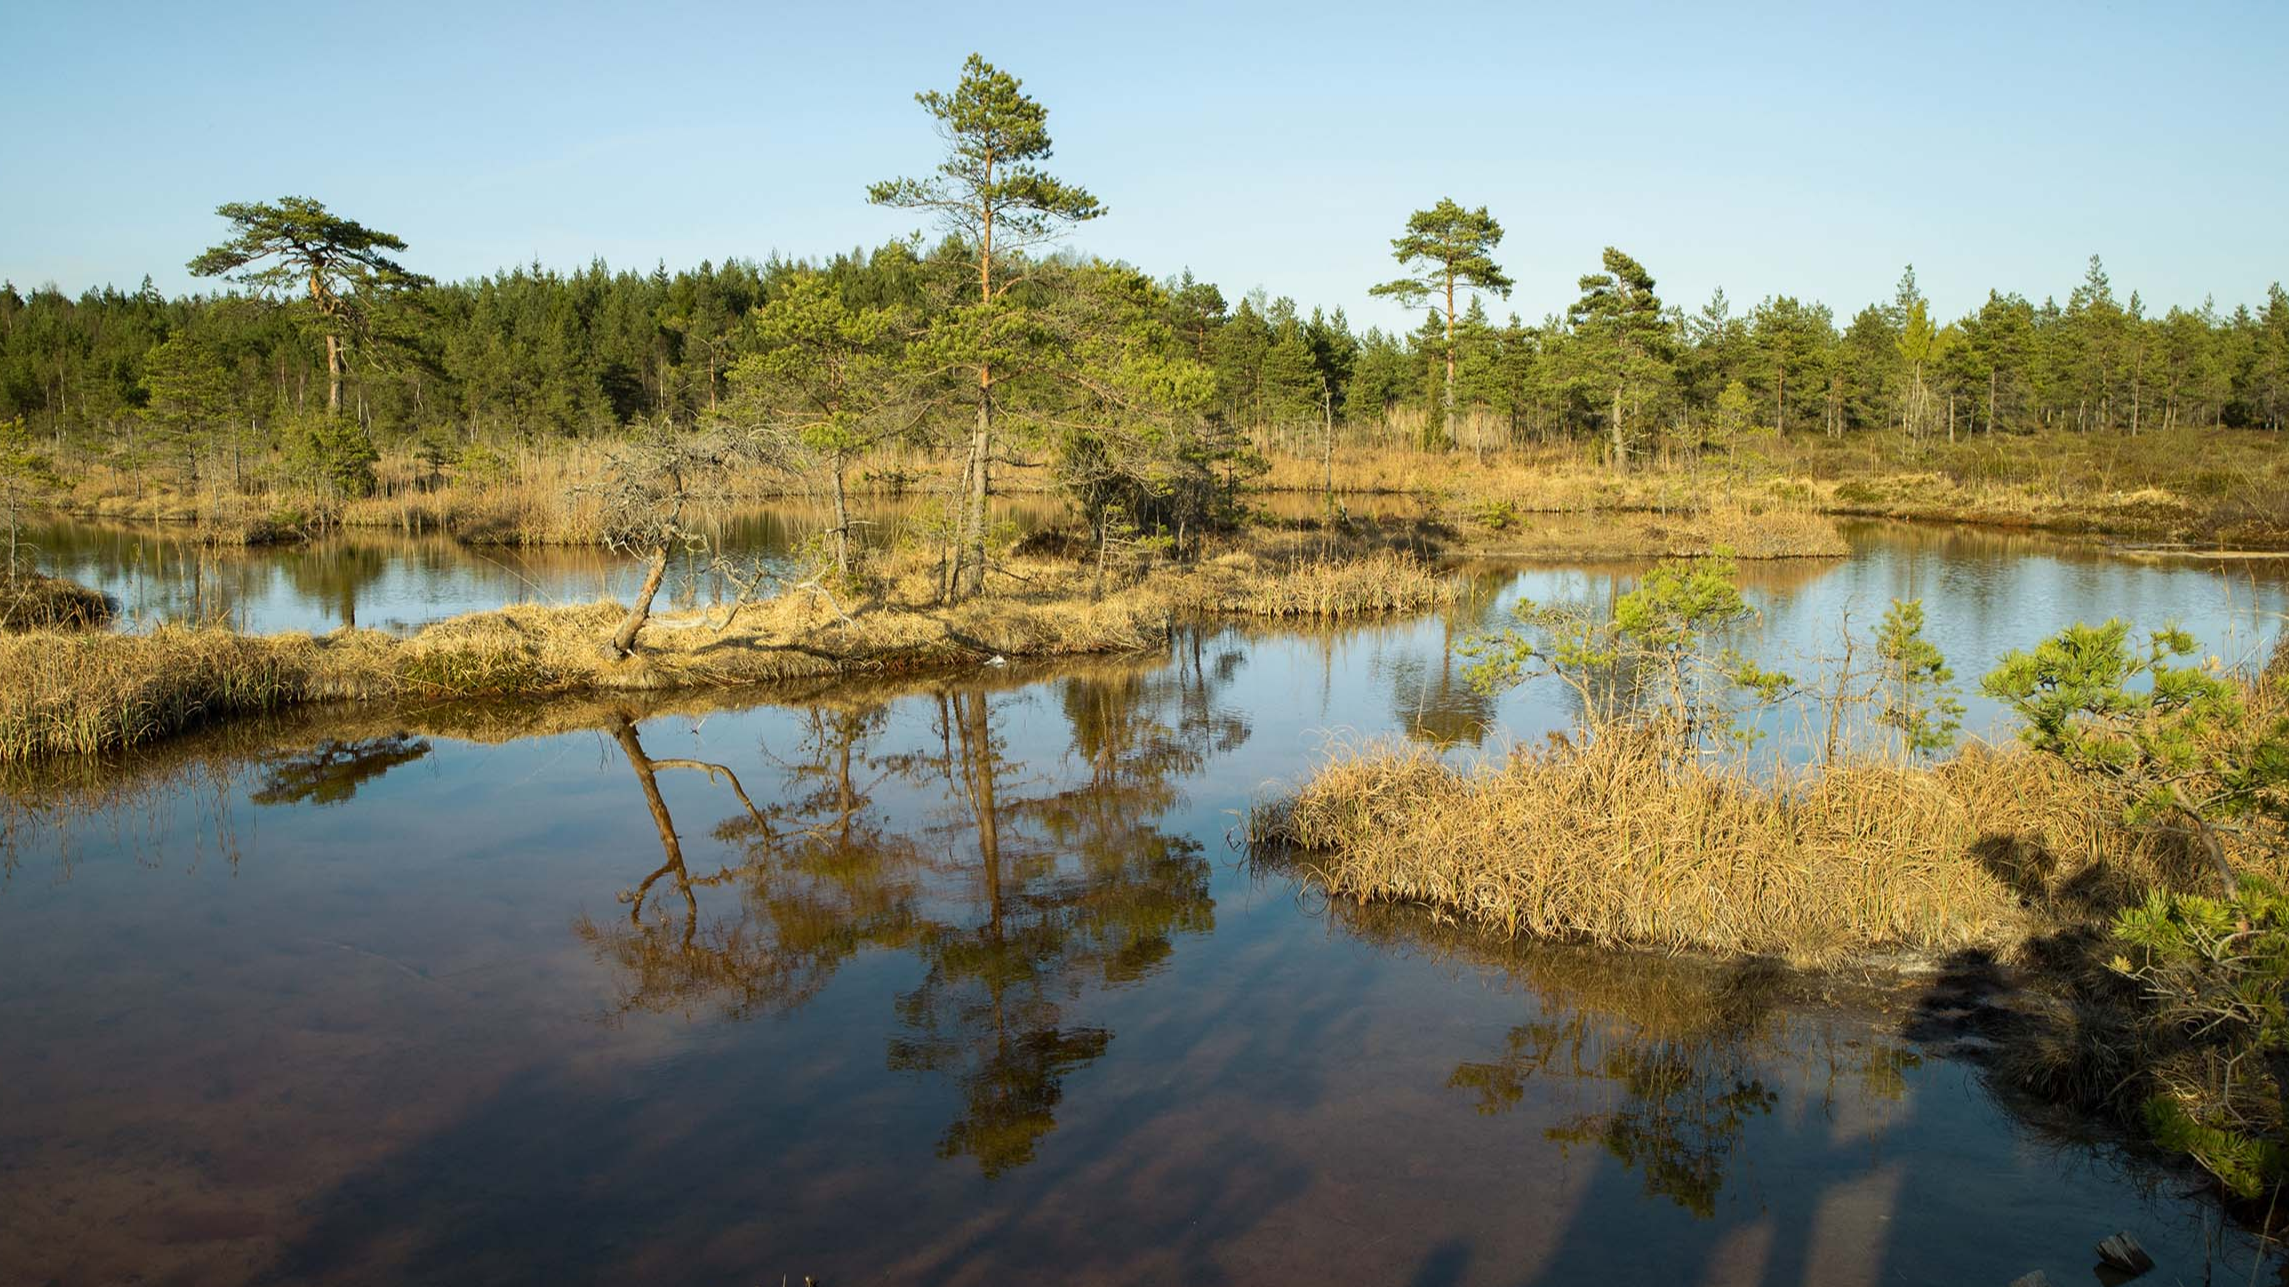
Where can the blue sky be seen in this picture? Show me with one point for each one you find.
(1804, 149)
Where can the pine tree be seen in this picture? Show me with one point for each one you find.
(1628, 350)
(297, 244)
(1450, 251)
(991, 194)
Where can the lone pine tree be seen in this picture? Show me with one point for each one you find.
(338, 261)
(1449, 250)
(991, 194)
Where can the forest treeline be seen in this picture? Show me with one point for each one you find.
(1151, 398)
(532, 353)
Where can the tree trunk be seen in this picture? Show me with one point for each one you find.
(1450, 365)
(333, 375)
(957, 526)
(1620, 444)
(624, 638)
(842, 521)
(1327, 447)
(981, 453)
(1104, 543)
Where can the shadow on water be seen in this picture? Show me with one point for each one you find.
(1742, 1123)
(934, 982)
(1019, 897)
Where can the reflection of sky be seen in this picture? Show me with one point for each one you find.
(389, 580)
(1983, 597)
(1984, 594)
(370, 1048)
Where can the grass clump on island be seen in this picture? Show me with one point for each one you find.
(1755, 530)
(36, 601)
(1651, 824)
(1616, 840)
(2126, 859)
(97, 693)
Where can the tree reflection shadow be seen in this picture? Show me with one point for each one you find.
(1663, 1064)
(332, 771)
(1019, 891)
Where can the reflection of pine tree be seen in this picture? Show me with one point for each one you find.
(1674, 1056)
(337, 573)
(1679, 1122)
(810, 898)
(1057, 880)
(1074, 883)
(332, 771)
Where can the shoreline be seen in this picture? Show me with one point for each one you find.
(90, 693)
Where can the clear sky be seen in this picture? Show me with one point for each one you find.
(1805, 149)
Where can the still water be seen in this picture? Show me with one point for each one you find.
(394, 581)
(964, 981)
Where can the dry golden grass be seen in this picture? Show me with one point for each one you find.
(36, 601)
(2210, 486)
(1748, 533)
(526, 496)
(84, 694)
(1321, 587)
(89, 694)
(1616, 842)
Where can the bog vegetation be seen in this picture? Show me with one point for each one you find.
(2134, 841)
(2128, 849)
(66, 693)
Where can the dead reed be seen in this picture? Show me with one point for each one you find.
(1322, 587)
(36, 601)
(1622, 841)
(64, 694)
(1745, 531)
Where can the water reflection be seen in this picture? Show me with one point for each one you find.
(399, 580)
(795, 912)
(1021, 889)
(1665, 1064)
(332, 771)
(924, 982)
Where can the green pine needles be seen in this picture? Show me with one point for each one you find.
(2216, 970)
(2163, 732)
(1650, 663)
(1919, 700)
(2178, 744)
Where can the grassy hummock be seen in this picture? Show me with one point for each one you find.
(64, 693)
(1618, 841)
(37, 601)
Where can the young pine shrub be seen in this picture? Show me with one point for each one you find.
(2186, 749)
(1649, 665)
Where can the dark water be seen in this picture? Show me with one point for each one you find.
(973, 988)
